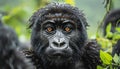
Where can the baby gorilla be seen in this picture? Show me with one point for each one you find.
(59, 39)
(10, 58)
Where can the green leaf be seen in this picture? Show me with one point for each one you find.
(116, 58)
(108, 33)
(116, 36)
(105, 57)
(117, 29)
(99, 67)
(108, 28)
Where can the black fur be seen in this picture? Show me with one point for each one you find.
(10, 58)
(83, 55)
(13, 36)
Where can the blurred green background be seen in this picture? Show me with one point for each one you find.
(16, 13)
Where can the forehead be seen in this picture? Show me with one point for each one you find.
(60, 17)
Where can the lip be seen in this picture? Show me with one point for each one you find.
(58, 55)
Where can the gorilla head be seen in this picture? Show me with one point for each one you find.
(58, 37)
(112, 17)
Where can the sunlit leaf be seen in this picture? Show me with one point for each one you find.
(116, 58)
(117, 29)
(105, 44)
(109, 34)
(105, 57)
(116, 36)
(99, 67)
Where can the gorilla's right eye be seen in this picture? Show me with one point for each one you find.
(49, 29)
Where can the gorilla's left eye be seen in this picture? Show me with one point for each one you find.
(67, 29)
(49, 29)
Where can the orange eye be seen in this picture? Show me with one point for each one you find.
(49, 29)
(67, 29)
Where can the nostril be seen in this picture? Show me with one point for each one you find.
(58, 44)
(62, 44)
(55, 43)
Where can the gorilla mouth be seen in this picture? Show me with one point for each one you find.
(59, 56)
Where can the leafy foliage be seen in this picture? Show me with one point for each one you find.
(107, 58)
(109, 61)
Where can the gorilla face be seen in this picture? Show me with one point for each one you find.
(57, 36)
(59, 39)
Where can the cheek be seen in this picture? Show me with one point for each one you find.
(46, 35)
(38, 40)
(73, 35)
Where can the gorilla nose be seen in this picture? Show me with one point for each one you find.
(59, 43)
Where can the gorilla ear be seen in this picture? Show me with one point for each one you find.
(31, 22)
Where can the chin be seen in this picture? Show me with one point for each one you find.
(58, 57)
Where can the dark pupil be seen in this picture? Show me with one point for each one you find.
(67, 29)
(49, 29)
